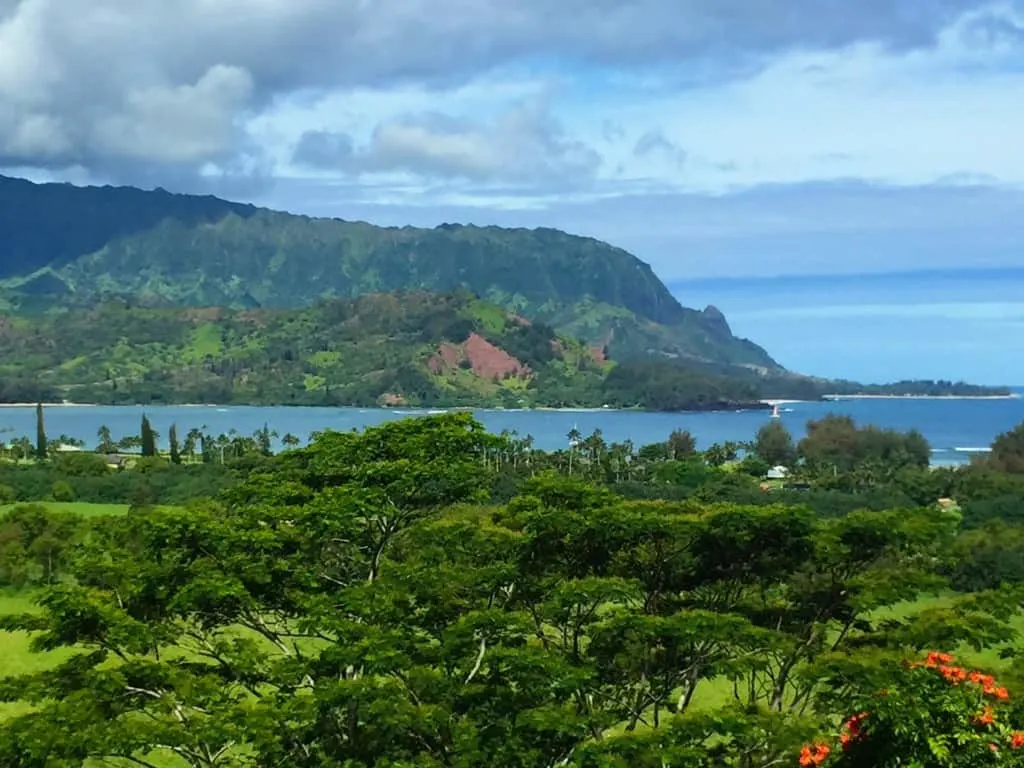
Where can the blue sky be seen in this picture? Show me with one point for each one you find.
(726, 142)
(947, 324)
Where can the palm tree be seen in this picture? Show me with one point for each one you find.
(574, 440)
(191, 442)
(106, 441)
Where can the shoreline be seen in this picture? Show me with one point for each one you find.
(1010, 396)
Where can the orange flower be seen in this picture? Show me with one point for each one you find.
(1017, 740)
(935, 658)
(814, 754)
(953, 674)
(985, 718)
(1001, 693)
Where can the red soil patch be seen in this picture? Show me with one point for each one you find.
(490, 362)
(448, 357)
(598, 354)
(485, 360)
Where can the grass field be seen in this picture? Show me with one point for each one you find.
(83, 508)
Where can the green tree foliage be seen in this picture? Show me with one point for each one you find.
(41, 442)
(836, 443)
(147, 437)
(351, 603)
(774, 444)
(359, 351)
(36, 545)
(987, 557)
(1008, 451)
(105, 442)
(922, 713)
(172, 436)
(62, 491)
(662, 386)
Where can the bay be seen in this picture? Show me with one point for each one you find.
(956, 428)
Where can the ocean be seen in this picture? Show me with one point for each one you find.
(956, 428)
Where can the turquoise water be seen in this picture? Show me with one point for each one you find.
(955, 428)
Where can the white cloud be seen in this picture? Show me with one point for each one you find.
(666, 126)
(521, 146)
(863, 111)
(180, 124)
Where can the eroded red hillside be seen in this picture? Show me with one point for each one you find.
(485, 360)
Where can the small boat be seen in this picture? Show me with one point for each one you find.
(775, 412)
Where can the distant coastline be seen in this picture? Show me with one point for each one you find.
(1009, 396)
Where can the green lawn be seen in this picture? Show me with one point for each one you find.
(16, 657)
(84, 508)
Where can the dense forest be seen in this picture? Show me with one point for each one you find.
(413, 348)
(425, 594)
(383, 349)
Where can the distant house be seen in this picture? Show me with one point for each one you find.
(115, 461)
(777, 473)
(65, 448)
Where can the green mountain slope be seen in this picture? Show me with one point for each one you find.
(68, 246)
(412, 348)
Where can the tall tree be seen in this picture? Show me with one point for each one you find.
(206, 448)
(264, 439)
(106, 442)
(172, 435)
(774, 444)
(40, 433)
(681, 444)
(1008, 451)
(148, 438)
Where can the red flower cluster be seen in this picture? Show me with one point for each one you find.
(814, 754)
(956, 675)
(853, 729)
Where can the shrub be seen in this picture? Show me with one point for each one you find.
(931, 714)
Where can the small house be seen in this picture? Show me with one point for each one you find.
(115, 461)
(777, 473)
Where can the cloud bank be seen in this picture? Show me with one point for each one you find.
(711, 136)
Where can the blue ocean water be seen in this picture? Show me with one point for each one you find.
(954, 427)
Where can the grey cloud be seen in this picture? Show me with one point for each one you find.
(523, 146)
(655, 143)
(105, 82)
(612, 130)
(323, 149)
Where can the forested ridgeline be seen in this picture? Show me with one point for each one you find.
(427, 594)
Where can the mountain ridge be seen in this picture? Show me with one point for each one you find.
(62, 245)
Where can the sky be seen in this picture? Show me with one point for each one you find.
(844, 178)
